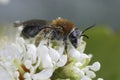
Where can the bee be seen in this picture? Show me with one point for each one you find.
(59, 29)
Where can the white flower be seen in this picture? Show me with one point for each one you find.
(5, 74)
(31, 52)
(95, 66)
(86, 78)
(100, 79)
(79, 55)
(90, 74)
(43, 75)
(62, 61)
(23, 60)
(28, 64)
(54, 54)
(27, 76)
(43, 53)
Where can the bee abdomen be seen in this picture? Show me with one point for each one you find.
(33, 27)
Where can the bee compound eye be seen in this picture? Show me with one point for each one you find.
(75, 33)
(74, 37)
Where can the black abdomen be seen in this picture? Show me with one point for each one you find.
(33, 27)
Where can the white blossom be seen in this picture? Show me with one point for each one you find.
(86, 78)
(100, 79)
(23, 60)
(95, 66)
(43, 75)
(62, 61)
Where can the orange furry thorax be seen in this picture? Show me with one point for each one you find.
(66, 25)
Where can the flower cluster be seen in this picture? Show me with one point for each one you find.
(23, 60)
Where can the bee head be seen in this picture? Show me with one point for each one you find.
(76, 35)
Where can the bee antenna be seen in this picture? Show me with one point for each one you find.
(88, 28)
(85, 36)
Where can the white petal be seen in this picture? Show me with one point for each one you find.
(31, 52)
(85, 69)
(28, 64)
(31, 49)
(42, 52)
(47, 62)
(81, 73)
(90, 56)
(100, 79)
(74, 53)
(54, 54)
(82, 45)
(10, 52)
(90, 74)
(20, 42)
(27, 76)
(95, 66)
(43, 75)
(86, 78)
(77, 55)
(83, 57)
(78, 71)
(16, 75)
(4, 74)
(78, 64)
(62, 61)
(36, 66)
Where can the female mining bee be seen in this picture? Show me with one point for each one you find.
(59, 29)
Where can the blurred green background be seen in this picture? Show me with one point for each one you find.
(104, 44)
(104, 41)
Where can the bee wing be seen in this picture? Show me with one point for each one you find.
(35, 22)
(33, 27)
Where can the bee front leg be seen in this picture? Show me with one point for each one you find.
(49, 38)
(66, 46)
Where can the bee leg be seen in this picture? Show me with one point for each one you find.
(48, 38)
(65, 43)
(48, 42)
(38, 38)
(65, 48)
